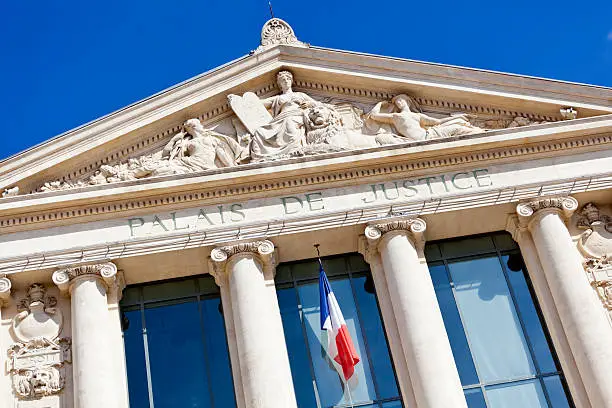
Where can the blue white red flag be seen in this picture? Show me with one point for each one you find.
(339, 344)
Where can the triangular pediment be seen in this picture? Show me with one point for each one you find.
(355, 92)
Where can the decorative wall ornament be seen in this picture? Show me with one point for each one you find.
(5, 291)
(38, 316)
(566, 204)
(36, 363)
(599, 272)
(107, 271)
(277, 32)
(220, 256)
(596, 240)
(10, 192)
(568, 113)
(37, 367)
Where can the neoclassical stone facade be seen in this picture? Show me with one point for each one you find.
(246, 167)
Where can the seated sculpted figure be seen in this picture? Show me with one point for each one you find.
(284, 131)
(419, 126)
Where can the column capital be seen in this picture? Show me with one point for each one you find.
(5, 291)
(412, 227)
(64, 278)
(222, 256)
(529, 210)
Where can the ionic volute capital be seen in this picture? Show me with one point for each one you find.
(414, 228)
(64, 278)
(5, 291)
(530, 210)
(222, 258)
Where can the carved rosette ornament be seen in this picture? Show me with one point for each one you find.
(276, 32)
(415, 227)
(64, 277)
(222, 256)
(36, 363)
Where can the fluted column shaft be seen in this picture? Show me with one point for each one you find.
(587, 328)
(97, 367)
(433, 373)
(248, 270)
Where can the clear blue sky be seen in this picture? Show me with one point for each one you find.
(64, 63)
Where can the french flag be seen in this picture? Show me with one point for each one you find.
(339, 344)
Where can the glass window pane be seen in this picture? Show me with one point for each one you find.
(135, 361)
(208, 286)
(175, 346)
(296, 347)
(221, 382)
(169, 290)
(495, 334)
(453, 325)
(432, 252)
(358, 264)
(556, 392)
(377, 342)
(333, 266)
(531, 320)
(524, 394)
(392, 404)
(474, 398)
(130, 296)
(329, 382)
(466, 247)
(305, 270)
(504, 242)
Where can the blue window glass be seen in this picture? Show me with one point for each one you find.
(316, 381)
(177, 327)
(501, 348)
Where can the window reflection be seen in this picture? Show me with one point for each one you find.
(316, 382)
(501, 348)
(176, 349)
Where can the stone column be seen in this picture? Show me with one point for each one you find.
(372, 256)
(432, 370)
(5, 385)
(542, 291)
(248, 269)
(98, 376)
(586, 326)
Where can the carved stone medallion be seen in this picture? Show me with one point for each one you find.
(596, 240)
(38, 316)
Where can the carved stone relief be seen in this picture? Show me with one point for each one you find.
(36, 363)
(595, 244)
(287, 125)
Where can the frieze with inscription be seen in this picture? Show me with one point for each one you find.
(396, 191)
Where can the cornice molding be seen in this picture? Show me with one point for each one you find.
(260, 230)
(349, 174)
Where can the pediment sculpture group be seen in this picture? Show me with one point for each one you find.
(286, 125)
